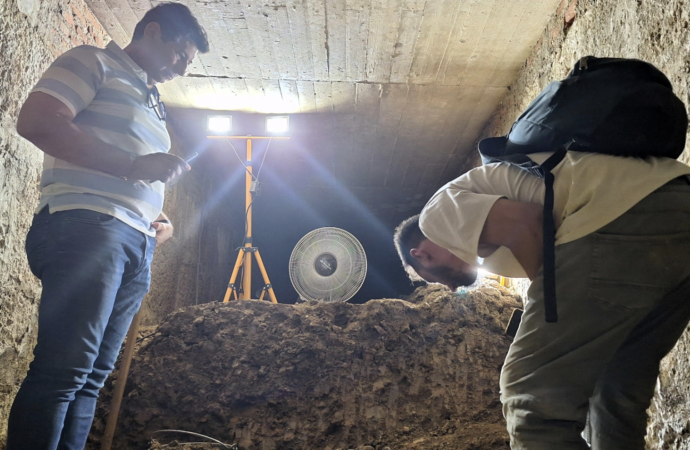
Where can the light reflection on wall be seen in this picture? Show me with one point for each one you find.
(231, 102)
(258, 96)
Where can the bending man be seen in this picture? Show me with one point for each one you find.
(622, 280)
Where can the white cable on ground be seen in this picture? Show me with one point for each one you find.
(216, 441)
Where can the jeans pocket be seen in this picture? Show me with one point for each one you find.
(635, 272)
(88, 217)
(36, 242)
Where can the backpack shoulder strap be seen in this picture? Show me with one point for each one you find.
(543, 170)
(549, 236)
(520, 160)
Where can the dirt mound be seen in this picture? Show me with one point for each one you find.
(417, 374)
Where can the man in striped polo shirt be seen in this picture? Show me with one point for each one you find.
(96, 115)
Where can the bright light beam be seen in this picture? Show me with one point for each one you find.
(302, 206)
(229, 184)
(349, 197)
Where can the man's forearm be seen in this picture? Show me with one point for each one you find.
(517, 226)
(65, 141)
(60, 138)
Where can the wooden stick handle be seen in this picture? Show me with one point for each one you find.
(120, 383)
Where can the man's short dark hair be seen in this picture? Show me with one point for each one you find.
(407, 236)
(177, 23)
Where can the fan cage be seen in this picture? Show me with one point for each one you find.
(349, 275)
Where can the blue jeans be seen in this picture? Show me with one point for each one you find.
(95, 273)
(623, 298)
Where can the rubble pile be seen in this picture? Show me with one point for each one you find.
(391, 374)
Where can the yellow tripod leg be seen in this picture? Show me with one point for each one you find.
(231, 285)
(260, 263)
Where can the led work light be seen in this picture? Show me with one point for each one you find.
(219, 124)
(277, 124)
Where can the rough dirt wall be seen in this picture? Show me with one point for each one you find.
(653, 30)
(417, 374)
(28, 44)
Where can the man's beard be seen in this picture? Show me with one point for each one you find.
(457, 278)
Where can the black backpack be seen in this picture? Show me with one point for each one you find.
(614, 106)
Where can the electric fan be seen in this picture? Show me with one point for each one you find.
(328, 265)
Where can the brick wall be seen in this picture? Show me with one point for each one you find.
(28, 44)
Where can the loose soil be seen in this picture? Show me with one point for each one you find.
(390, 374)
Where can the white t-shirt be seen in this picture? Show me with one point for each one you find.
(590, 191)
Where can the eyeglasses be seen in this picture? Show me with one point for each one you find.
(156, 104)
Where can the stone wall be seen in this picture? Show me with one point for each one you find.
(29, 41)
(651, 30)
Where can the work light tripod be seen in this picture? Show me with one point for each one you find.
(244, 256)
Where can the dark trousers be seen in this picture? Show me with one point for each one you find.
(623, 296)
(95, 273)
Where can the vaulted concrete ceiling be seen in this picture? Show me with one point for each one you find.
(410, 83)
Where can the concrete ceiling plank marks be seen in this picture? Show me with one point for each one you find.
(411, 82)
(445, 42)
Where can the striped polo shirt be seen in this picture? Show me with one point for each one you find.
(108, 94)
